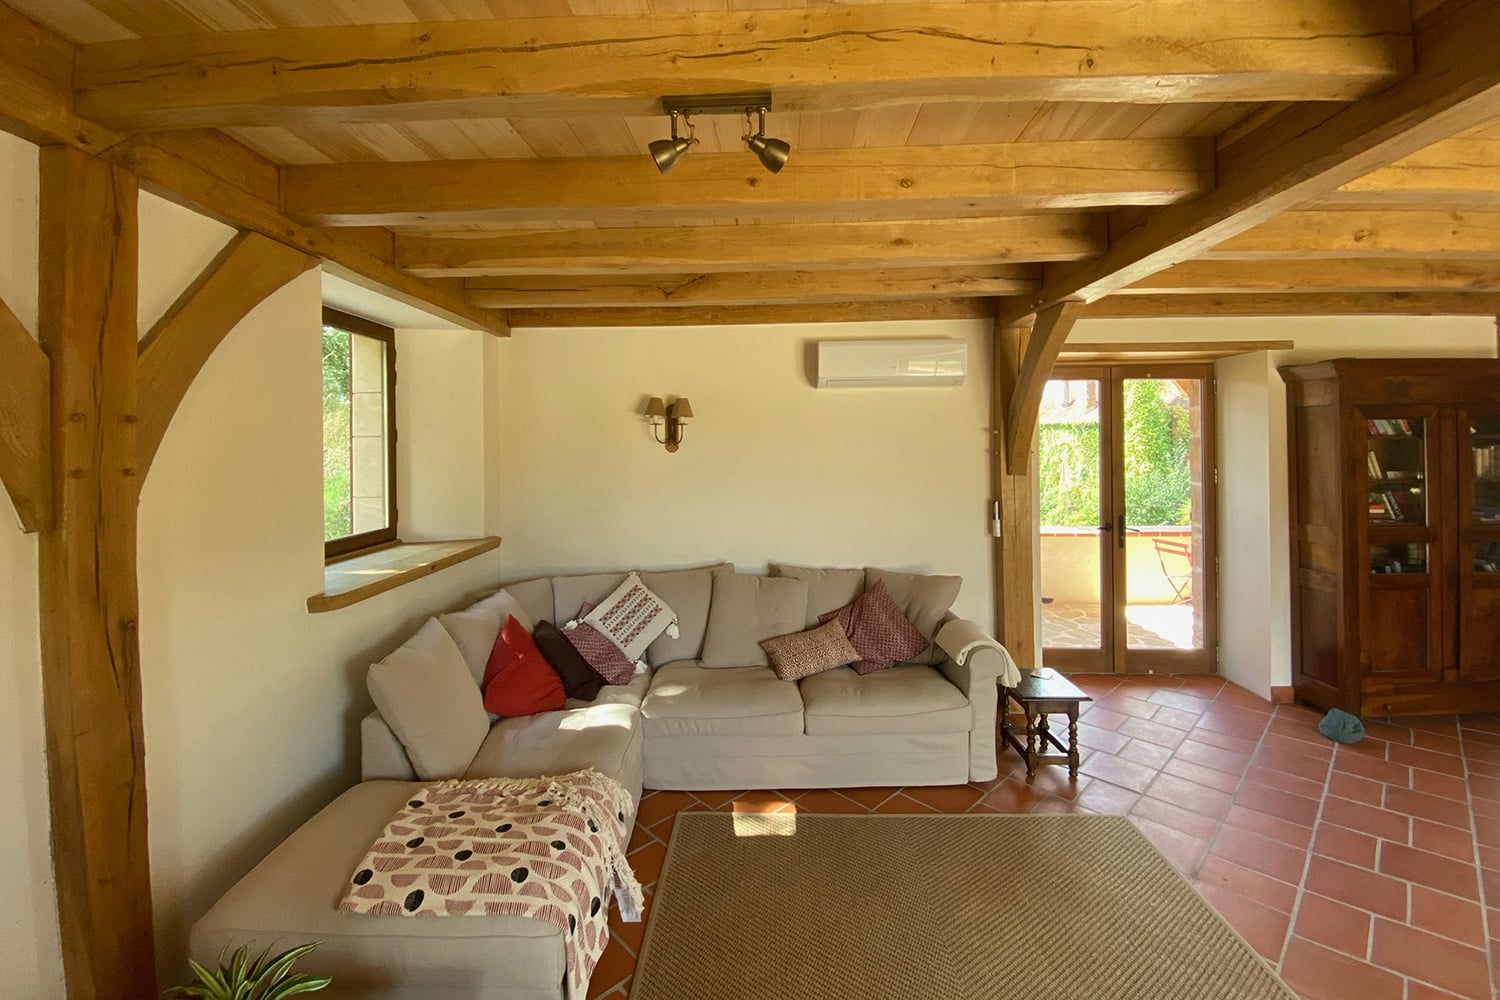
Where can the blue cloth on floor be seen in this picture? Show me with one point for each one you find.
(1341, 727)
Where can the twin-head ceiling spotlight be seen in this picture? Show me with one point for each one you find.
(771, 152)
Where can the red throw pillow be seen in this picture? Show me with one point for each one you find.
(877, 630)
(517, 679)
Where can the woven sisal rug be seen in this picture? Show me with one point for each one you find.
(800, 907)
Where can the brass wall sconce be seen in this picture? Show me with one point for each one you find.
(673, 417)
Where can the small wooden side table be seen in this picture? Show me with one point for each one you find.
(1038, 697)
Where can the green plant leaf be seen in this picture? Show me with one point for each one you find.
(298, 984)
(278, 969)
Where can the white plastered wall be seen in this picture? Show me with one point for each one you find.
(772, 469)
(251, 705)
(1254, 553)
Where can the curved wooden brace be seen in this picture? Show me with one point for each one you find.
(25, 423)
(1042, 347)
(241, 277)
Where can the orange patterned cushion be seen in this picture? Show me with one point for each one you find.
(803, 654)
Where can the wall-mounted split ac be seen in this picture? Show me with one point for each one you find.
(860, 364)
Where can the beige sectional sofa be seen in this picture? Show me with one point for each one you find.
(681, 725)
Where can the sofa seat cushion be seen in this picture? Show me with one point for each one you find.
(290, 898)
(604, 737)
(617, 694)
(689, 700)
(904, 699)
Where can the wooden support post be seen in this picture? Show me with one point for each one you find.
(25, 424)
(87, 564)
(1042, 347)
(1015, 606)
(241, 277)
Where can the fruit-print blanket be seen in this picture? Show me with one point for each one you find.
(547, 848)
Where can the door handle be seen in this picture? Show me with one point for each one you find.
(1121, 531)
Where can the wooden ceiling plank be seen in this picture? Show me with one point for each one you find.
(819, 58)
(896, 181)
(931, 243)
(1303, 155)
(748, 287)
(248, 270)
(1219, 277)
(25, 423)
(825, 312)
(1464, 171)
(1295, 304)
(1166, 350)
(1342, 234)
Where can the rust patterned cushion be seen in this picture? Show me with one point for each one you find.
(599, 650)
(877, 630)
(802, 654)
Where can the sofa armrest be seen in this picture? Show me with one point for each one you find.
(381, 755)
(978, 677)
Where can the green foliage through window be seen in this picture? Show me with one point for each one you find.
(337, 511)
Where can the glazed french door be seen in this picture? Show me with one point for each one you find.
(1126, 461)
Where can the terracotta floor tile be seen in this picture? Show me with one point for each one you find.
(1456, 878)
(1447, 916)
(1432, 959)
(1263, 927)
(1358, 887)
(1354, 866)
(1333, 924)
(1320, 974)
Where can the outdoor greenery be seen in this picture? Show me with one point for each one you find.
(1158, 488)
(337, 511)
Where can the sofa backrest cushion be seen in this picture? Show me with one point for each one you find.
(924, 599)
(747, 609)
(474, 629)
(569, 593)
(426, 694)
(688, 592)
(827, 589)
(536, 597)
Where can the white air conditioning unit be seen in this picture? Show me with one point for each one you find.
(850, 364)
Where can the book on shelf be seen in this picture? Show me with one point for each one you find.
(1374, 465)
(1388, 427)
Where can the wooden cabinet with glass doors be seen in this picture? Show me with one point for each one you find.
(1395, 548)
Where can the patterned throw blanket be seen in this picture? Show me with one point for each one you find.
(547, 848)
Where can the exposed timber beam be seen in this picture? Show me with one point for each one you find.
(900, 182)
(1042, 346)
(1014, 491)
(88, 599)
(1303, 155)
(1359, 274)
(1461, 172)
(727, 288)
(922, 243)
(828, 312)
(205, 171)
(243, 275)
(1292, 304)
(1342, 234)
(819, 58)
(25, 423)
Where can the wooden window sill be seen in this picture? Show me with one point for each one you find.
(359, 578)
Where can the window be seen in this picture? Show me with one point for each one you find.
(359, 434)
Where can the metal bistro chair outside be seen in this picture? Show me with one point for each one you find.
(1182, 582)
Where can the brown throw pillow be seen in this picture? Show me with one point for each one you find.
(802, 654)
(877, 630)
(578, 679)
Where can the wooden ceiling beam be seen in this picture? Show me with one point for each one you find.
(1299, 304)
(1042, 346)
(749, 287)
(203, 170)
(242, 276)
(1372, 274)
(826, 312)
(1303, 155)
(1463, 172)
(899, 182)
(929, 243)
(1343, 234)
(819, 58)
